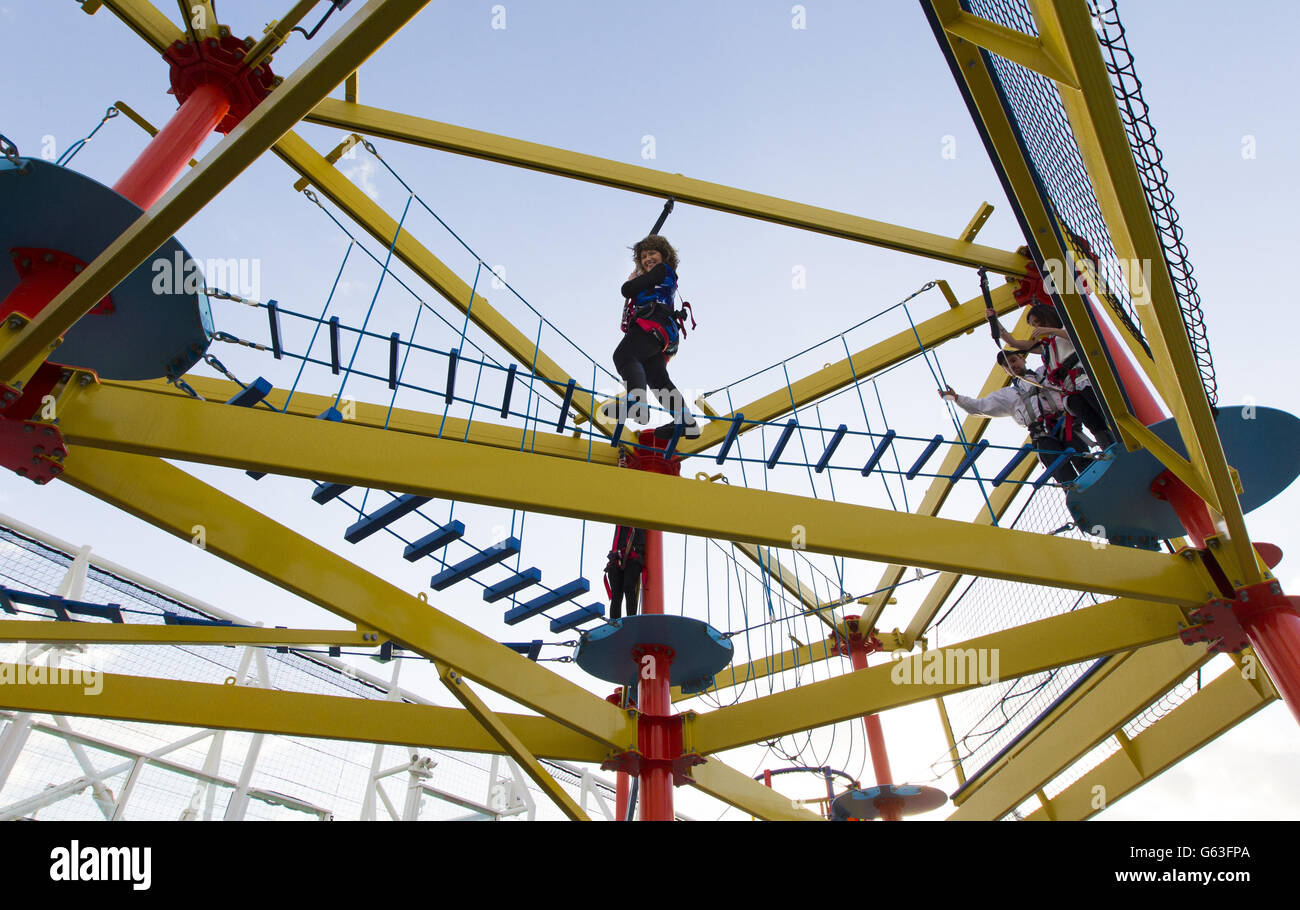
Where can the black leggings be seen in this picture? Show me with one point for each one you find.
(1051, 447)
(1083, 404)
(639, 359)
(625, 583)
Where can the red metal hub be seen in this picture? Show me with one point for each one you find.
(219, 61)
(1223, 623)
(32, 450)
(44, 273)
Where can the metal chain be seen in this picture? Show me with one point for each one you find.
(9, 150)
(185, 387)
(220, 367)
(226, 295)
(231, 339)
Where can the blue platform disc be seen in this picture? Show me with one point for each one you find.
(862, 803)
(701, 650)
(148, 334)
(1263, 444)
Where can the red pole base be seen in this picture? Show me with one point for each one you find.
(660, 751)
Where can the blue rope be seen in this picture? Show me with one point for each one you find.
(858, 388)
(380, 284)
(319, 321)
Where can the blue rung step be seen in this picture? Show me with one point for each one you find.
(578, 617)
(881, 448)
(479, 561)
(383, 517)
(925, 456)
(524, 579)
(324, 492)
(1051, 468)
(453, 530)
(60, 605)
(251, 394)
(1011, 465)
(732, 431)
(781, 444)
(969, 460)
(176, 619)
(830, 449)
(530, 649)
(550, 599)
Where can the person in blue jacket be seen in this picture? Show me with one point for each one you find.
(651, 336)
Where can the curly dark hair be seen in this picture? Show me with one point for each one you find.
(1046, 315)
(658, 243)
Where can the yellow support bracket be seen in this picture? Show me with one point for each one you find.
(277, 32)
(729, 785)
(333, 157)
(1013, 45)
(511, 743)
(973, 226)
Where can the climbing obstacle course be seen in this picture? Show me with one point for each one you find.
(403, 407)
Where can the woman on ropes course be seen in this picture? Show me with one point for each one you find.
(652, 329)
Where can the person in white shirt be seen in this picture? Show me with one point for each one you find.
(1033, 404)
(1061, 369)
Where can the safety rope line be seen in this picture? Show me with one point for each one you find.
(66, 158)
(319, 321)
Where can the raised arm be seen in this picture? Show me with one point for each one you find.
(652, 278)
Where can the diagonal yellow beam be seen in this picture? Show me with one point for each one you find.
(256, 439)
(1030, 52)
(300, 156)
(792, 659)
(860, 367)
(1074, 727)
(1214, 710)
(1000, 499)
(174, 501)
(1106, 628)
(162, 701)
(418, 423)
(143, 18)
(432, 134)
(356, 40)
(1099, 119)
(142, 634)
(729, 785)
(510, 743)
(972, 430)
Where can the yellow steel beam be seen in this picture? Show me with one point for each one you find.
(199, 18)
(255, 439)
(300, 156)
(977, 221)
(972, 430)
(511, 743)
(1222, 704)
(228, 707)
(372, 121)
(1000, 499)
(729, 785)
(952, 742)
(142, 634)
(356, 40)
(1099, 120)
(859, 367)
(1106, 628)
(143, 18)
(792, 659)
(1075, 726)
(417, 423)
(766, 559)
(174, 501)
(1030, 52)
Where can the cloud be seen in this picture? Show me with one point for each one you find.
(363, 176)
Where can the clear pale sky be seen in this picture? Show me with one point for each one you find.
(852, 112)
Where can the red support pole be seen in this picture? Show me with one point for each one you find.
(166, 156)
(622, 782)
(656, 790)
(890, 810)
(1274, 634)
